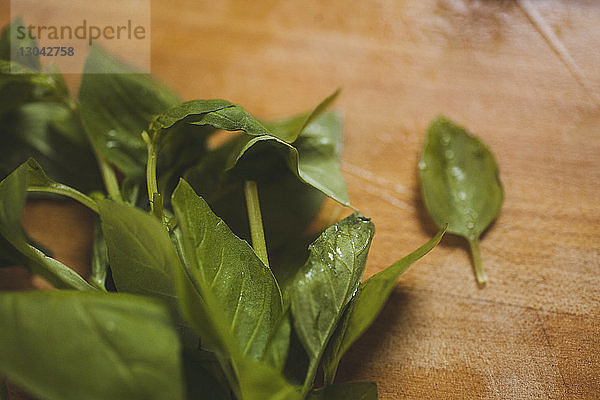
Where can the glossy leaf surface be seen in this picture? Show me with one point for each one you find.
(327, 281)
(366, 305)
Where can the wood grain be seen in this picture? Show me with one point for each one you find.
(534, 330)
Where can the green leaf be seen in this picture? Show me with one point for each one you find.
(14, 241)
(203, 377)
(10, 36)
(140, 252)
(229, 296)
(51, 134)
(241, 295)
(316, 165)
(366, 304)
(326, 283)
(276, 351)
(117, 107)
(460, 183)
(62, 345)
(346, 391)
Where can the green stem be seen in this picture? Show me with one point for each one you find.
(108, 173)
(108, 176)
(255, 220)
(477, 264)
(67, 191)
(154, 196)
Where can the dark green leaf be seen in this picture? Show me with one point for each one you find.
(327, 281)
(460, 183)
(141, 256)
(366, 304)
(276, 351)
(117, 107)
(62, 345)
(203, 377)
(50, 133)
(346, 391)
(229, 296)
(14, 241)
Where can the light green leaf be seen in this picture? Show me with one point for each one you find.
(326, 283)
(64, 345)
(366, 304)
(141, 255)
(117, 107)
(229, 296)
(14, 241)
(346, 391)
(460, 183)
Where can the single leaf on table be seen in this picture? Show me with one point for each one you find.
(50, 133)
(62, 345)
(460, 184)
(326, 283)
(14, 241)
(140, 252)
(366, 304)
(116, 107)
(345, 391)
(228, 295)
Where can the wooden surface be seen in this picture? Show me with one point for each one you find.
(524, 76)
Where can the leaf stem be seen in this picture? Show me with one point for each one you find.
(67, 191)
(108, 173)
(477, 264)
(151, 181)
(255, 220)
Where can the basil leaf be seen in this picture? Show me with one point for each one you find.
(346, 391)
(366, 304)
(239, 292)
(9, 37)
(229, 296)
(74, 345)
(50, 133)
(140, 252)
(117, 107)
(317, 166)
(326, 283)
(276, 351)
(460, 183)
(14, 241)
(289, 129)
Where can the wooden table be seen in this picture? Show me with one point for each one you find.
(524, 76)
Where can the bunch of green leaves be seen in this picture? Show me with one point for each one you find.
(178, 304)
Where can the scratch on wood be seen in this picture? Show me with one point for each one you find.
(556, 45)
(378, 186)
